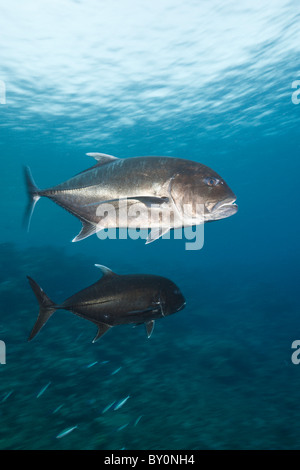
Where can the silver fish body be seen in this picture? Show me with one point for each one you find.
(143, 192)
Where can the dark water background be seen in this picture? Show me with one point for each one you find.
(195, 80)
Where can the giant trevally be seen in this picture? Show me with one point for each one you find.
(156, 193)
(116, 300)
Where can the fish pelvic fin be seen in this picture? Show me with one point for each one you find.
(156, 233)
(47, 308)
(149, 327)
(33, 197)
(102, 329)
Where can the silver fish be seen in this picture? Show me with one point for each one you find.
(66, 432)
(157, 193)
(59, 407)
(120, 403)
(43, 390)
(122, 427)
(7, 396)
(137, 420)
(108, 407)
(116, 371)
(92, 364)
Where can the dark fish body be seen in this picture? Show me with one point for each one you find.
(172, 187)
(116, 300)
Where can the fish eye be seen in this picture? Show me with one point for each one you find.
(211, 181)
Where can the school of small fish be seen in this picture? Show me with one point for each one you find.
(114, 405)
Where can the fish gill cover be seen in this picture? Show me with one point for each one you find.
(212, 83)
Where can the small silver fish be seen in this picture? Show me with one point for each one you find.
(92, 364)
(58, 408)
(137, 420)
(121, 403)
(43, 390)
(6, 396)
(122, 427)
(66, 432)
(116, 371)
(108, 407)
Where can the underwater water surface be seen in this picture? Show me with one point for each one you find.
(211, 82)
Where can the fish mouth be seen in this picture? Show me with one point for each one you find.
(228, 203)
(221, 209)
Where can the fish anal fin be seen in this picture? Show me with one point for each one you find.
(156, 233)
(149, 327)
(87, 230)
(102, 329)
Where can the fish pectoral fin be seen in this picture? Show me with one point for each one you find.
(102, 329)
(163, 313)
(102, 158)
(149, 327)
(160, 303)
(147, 200)
(156, 233)
(87, 230)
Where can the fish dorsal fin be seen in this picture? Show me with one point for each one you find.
(102, 329)
(149, 327)
(102, 158)
(105, 271)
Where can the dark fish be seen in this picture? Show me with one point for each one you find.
(116, 300)
(118, 193)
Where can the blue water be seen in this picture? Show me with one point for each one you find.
(210, 82)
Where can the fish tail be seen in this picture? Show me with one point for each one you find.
(47, 308)
(33, 195)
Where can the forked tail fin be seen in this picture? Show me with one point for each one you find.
(33, 195)
(47, 308)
